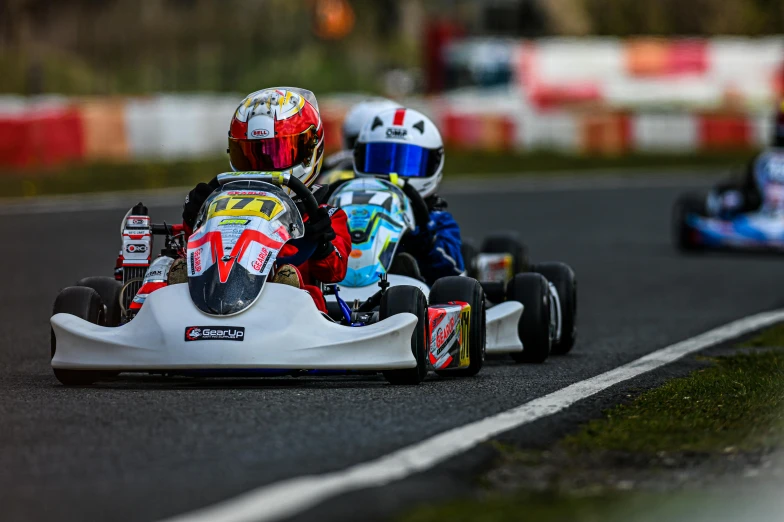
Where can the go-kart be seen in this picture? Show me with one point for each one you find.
(694, 228)
(526, 314)
(744, 214)
(230, 318)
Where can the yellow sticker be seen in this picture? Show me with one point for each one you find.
(464, 337)
(245, 205)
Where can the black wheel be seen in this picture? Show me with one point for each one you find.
(684, 206)
(85, 303)
(468, 290)
(534, 327)
(469, 251)
(508, 244)
(408, 299)
(109, 290)
(562, 277)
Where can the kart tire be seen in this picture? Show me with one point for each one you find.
(85, 303)
(508, 244)
(533, 292)
(408, 299)
(456, 288)
(562, 277)
(469, 251)
(682, 234)
(109, 289)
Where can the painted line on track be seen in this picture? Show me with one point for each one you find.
(290, 497)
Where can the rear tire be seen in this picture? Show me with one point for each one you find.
(508, 244)
(533, 292)
(408, 299)
(109, 289)
(468, 290)
(469, 251)
(685, 205)
(562, 277)
(85, 303)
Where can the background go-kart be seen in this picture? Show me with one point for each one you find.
(132, 95)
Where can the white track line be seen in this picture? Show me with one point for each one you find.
(289, 497)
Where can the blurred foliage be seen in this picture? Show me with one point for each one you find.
(132, 46)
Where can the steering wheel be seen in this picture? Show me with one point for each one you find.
(305, 247)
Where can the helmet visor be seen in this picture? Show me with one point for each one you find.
(402, 159)
(278, 153)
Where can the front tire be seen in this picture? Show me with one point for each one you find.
(682, 234)
(533, 292)
(468, 290)
(408, 299)
(109, 289)
(508, 244)
(562, 277)
(86, 304)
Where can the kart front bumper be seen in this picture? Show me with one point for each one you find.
(282, 330)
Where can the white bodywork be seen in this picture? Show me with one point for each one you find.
(501, 323)
(283, 330)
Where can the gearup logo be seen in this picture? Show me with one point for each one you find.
(211, 333)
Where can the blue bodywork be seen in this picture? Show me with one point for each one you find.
(760, 229)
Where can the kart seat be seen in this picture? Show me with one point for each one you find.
(404, 264)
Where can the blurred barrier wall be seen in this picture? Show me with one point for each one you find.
(44, 132)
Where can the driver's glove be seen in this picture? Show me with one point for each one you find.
(193, 202)
(318, 229)
(421, 241)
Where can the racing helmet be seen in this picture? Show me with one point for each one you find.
(359, 114)
(404, 142)
(278, 130)
(778, 127)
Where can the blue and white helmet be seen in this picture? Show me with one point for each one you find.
(404, 142)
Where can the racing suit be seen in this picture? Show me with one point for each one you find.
(327, 265)
(436, 244)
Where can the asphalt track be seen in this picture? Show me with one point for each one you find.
(142, 449)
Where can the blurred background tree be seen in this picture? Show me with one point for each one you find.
(143, 46)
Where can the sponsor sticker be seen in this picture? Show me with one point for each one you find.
(214, 333)
(260, 133)
(260, 261)
(397, 133)
(134, 248)
(240, 222)
(195, 261)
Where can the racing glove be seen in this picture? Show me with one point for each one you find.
(193, 202)
(318, 229)
(421, 241)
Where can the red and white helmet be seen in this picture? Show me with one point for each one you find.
(278, 130)
(404, 142)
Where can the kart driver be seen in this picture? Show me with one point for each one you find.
(407, 143)
(280, 130)
(761, 183)
(340, 165)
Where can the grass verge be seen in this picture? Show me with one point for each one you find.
(99, 177)
(631, 464)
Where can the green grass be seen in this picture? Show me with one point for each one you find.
(606, 507)
(771, 338)
(737, 403)
(98, 177)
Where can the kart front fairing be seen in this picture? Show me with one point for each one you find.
(748, 231)
(240, 230)
(281, 330)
